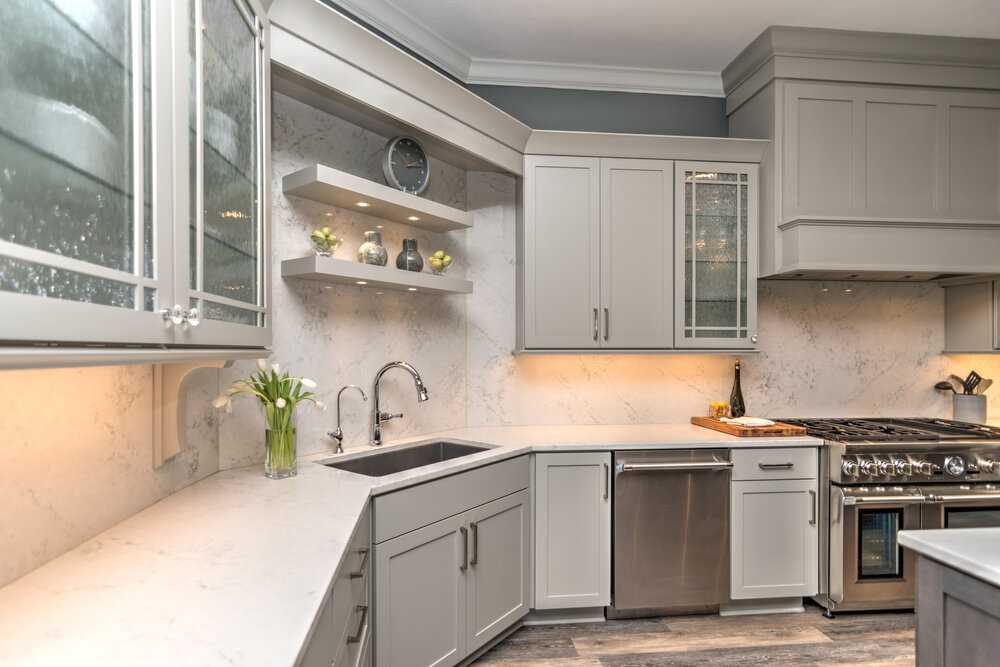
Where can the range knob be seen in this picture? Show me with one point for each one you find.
(988, 465)
(904, 468)
(849, 468)
(924, 467)
(869, 468)
(885, 468)
(954, 465)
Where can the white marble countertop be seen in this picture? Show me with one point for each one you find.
(974, 551)
(233, 569)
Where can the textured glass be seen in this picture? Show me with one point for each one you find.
(688, 252)
(715, 253)
(66, 129)
(231, 229)
(218, 311)
(703, 176)
(149, 299)
(714, 333)
(744, 232)
(148, 249)
(45, 281)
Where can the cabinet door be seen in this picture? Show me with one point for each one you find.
(561, 252)
(222, 267)
(637, 259)
(499, 567)
(775, 548)
(716, 246)
(420, 596)
(572, 530)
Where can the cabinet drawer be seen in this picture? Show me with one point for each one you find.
(402, 511)
(789, 463)
(350, 588)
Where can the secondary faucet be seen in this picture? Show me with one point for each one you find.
(377, 416)
(338, 435)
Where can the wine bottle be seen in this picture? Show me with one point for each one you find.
(736, 405)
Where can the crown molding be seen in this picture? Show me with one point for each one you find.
(590, 77)
(409, 32)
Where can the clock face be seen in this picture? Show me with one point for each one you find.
(405, 165)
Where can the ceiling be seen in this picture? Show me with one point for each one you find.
(654, 46)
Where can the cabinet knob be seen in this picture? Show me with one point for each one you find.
(753, 338)
(193, 317)
(174, 315)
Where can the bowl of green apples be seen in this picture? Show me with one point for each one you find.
(439, 262)
(324, 241)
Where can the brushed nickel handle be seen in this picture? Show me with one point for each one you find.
(638, 467)
(356, 637)
(596, 325)
(775, 466)
(465, 549)
(365, 552)
(812, 521)
(607, 323)
(474, 527)
(881, 500)
(607, 481)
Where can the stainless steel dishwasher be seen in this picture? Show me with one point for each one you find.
(670, 532)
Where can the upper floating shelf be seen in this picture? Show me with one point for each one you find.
(332, 186)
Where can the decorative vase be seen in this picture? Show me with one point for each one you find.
(409, 259)
(372, 251)
(279, 445)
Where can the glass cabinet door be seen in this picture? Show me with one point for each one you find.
(78, 246)
(226, 237)
(716, 247)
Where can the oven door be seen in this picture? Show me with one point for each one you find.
(874, 571)
(961, 506)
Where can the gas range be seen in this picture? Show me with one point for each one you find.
(906, 450)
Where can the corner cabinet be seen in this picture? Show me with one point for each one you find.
(972, 318)
(637, 254)
(572, 530)
(135, 202)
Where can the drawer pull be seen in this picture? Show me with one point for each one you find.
(365, 552)
(465, 549)
(474, 527)
(775, 466)
(356, 637)
(812, 521)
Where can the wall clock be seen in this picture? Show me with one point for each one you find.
(404, 163)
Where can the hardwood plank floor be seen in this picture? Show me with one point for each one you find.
(872, 639)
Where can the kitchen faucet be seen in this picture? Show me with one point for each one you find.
(377, 416)
(338, 435)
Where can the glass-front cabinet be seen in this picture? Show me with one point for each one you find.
(715, 243)
(133, 136)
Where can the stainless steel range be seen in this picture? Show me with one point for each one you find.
(887, 475)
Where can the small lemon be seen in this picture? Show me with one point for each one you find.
(440, 254)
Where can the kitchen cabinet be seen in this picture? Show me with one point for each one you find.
(572, 530)
(884, 161)
(341, 634)
(445, 589)
(774, 541)
(716, 255)
(971, 313)
(135, 207)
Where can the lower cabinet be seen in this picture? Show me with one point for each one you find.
(445, 589)
(572, 530)
(775, 524)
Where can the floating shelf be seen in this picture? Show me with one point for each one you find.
(330, 270)
(339, 188)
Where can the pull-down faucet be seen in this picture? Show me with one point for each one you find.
(377, 416)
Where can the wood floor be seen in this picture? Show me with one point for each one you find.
(860, 638)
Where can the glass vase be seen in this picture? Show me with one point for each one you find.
(279, 446)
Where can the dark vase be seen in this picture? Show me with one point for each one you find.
(409, 259)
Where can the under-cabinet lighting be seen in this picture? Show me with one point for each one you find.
(329, 215)
(411, 289)
(362, 282)
(362, 204)
(413, 218)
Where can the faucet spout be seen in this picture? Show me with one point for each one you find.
(377, 415)
(338, 435)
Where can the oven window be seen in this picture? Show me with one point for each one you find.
(879, 554)
(979, 517)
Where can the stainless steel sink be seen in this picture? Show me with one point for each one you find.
(407, 458)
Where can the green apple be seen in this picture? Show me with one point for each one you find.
(439, 254)
(326, 231)
(446, 260)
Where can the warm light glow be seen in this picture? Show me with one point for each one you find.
(413, 218)
(379, 226)
(412, 289)
(240, 215)
(362, 282)
(363, 204)
(329, 215)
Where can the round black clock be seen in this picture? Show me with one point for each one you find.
(405, 165)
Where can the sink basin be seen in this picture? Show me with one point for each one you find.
(408, 458)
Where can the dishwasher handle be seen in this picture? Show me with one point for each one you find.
(679, 466)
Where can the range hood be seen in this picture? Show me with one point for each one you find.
(884, 155)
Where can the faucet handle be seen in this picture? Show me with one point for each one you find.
(384, 416)
(337, 435)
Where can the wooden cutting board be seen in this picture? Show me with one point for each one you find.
(778, 429)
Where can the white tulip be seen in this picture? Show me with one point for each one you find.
(276, 368)
(307, 383)
(262, 365)
(221, 400)
(280, 403)
(320, 405)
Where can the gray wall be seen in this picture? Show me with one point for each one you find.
(605, 111)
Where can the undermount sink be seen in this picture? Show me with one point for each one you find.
(407, 458)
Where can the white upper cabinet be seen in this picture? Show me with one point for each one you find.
(885, 152)
(134, 173)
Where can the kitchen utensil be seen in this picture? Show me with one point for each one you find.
(748, 421)
(945, 386)
(957, 382)
(984, 385)
(972, 382)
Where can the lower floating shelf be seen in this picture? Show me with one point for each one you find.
(330, 270)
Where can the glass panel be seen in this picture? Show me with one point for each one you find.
(714, 176)
(715, 333)
(66, 131)
(149, 299)
(218, 311)
(231, 229)
(688, 252)
(715, 253)
(744, 233)
(979, 517)
(148, 250)
(879, 555)
(46, 281)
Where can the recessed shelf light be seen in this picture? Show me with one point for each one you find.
(362, 282)
(363, 204)
(413, 218)
(411, 289)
